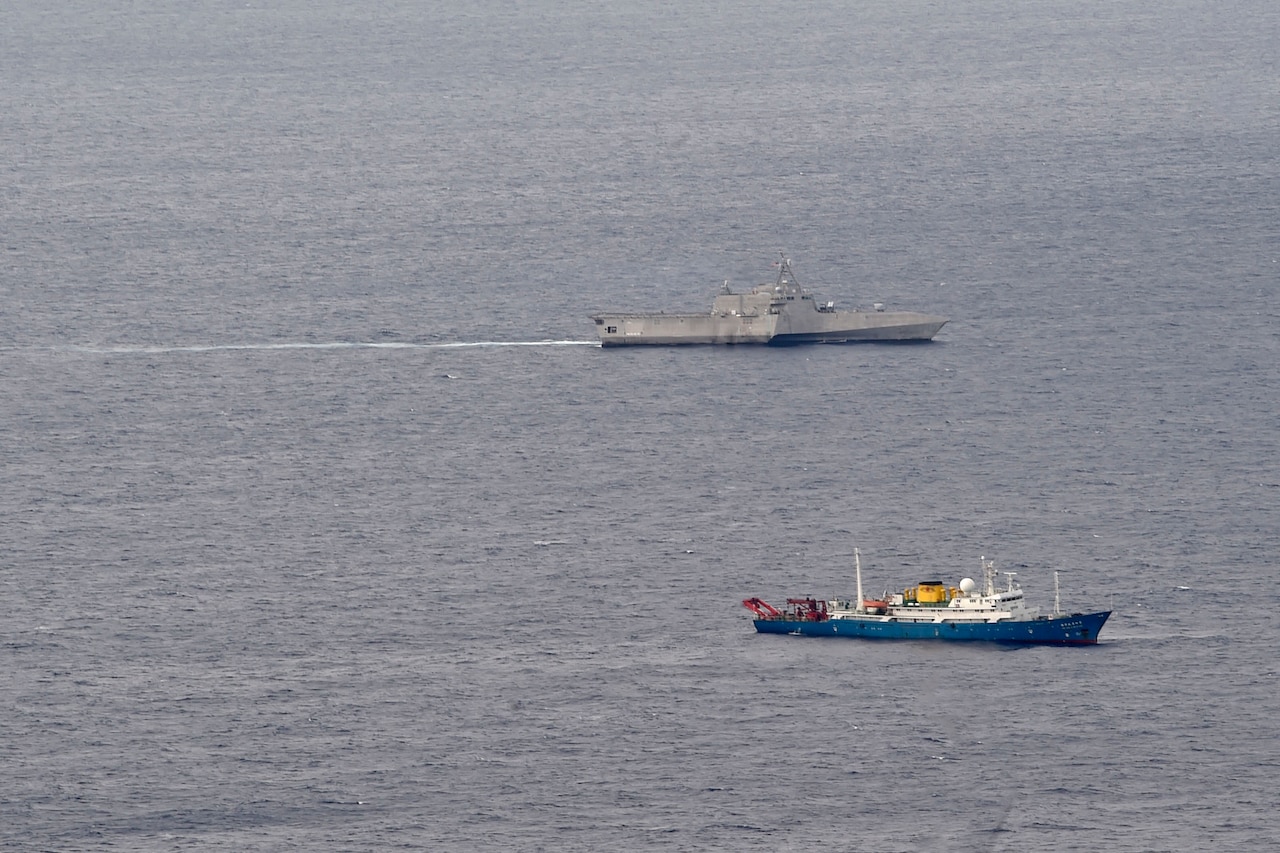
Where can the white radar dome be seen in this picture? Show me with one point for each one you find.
(967, 585)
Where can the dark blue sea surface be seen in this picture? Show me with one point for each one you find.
(328, 526)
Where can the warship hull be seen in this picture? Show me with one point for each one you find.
(841, 327)
(781, 313)
(856, 327)
(617, 330)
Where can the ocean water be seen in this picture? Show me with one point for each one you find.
(328, 527)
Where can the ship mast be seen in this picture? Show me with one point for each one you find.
(988, 576)
(857, 564)
(787, 283)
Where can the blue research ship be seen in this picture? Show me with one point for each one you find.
(933, 611)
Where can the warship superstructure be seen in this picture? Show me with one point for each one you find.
(778, 313)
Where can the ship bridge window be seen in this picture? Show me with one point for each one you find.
(612, 330)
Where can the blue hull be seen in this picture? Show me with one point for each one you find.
(1078, 629)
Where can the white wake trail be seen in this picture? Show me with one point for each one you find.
(333, 345)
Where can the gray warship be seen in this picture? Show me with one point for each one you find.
(780, 313)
